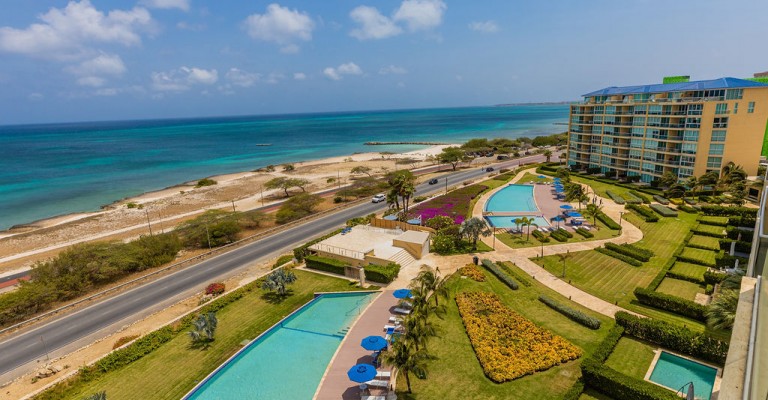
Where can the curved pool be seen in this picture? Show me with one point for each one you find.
(512, 198)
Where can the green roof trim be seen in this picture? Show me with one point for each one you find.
(762, 79)
(764, 152)
(676, 79)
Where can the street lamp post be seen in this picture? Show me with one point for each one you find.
(446, 185)
(542, 249)
(621, 218)
(149, 225)
(208, 235)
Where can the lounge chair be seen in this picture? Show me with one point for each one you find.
(373, 397)
(383, 374)
(395, 320)
(401, 310)
(586, 227)
(378, 383)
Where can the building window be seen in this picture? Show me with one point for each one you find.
(751, 107)
(634, 154)
(716, 149)
(693, 122)
(689, 148)
(714, 162)
(718, 136)
(734, 94)
(687, 161)
(720, 122)
(654, 109)
(694, 109)
(690, 136)
(735, 108)
(638, 132)
(684, 173)
(721, 108)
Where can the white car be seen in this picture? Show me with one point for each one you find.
(379, 198)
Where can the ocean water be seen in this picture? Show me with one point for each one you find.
(56, 169)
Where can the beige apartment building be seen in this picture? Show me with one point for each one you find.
(687, 127)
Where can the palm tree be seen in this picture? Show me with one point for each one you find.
(722, 312)
(668, 179)
(563, 257)
(548, 154)
(204, 328)
(403, 355)
(592, 211)
(402, 185)
(584, 198)
(431, 280)
(278, 281)
(709, 179)
(692, 182)
(526, 221)
(418, 331)
(573, 191)
(518, 222)
(473, 228)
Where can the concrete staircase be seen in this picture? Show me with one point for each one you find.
(403, 258)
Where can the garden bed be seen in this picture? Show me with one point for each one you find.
(455, 204)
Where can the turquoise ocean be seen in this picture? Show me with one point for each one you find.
(56, 169)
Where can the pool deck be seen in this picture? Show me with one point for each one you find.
(335, 383)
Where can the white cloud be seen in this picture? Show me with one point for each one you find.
(373, 25)
(484, 26)
(69, 32)
(186, 26)
(343, 69)
(289, 49)
(280, 25)
(275, 77)
(180, 4)
(35, 96)
(93, 81)
(182, 79)
(392, 69)
(202, 76)
(103, 64)
(299, 76)
(421, 14)
(242, 78)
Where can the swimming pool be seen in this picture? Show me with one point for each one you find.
(674, 372)
(512, 198)
(509, 222)
(287, 361)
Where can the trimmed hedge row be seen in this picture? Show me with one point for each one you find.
(635, 252)
(684, 277)
(688, 209)
(660, 199)
(696, 344)
(574, 393)
(615, 197)
(714, 277)
(558, 235)
(610, 223)
(514, 274)
(713, 220)
(381, 273)
(646, 213)
(302, 251)
(729, 211)
(664, 211)
(677, 305)
(645, 199)
(662, 274)
(733, 232)
(583, 232)
(573, 314)
(325, 264)
(490, 266)
(605, 348)
(629, 260)
(540, 236)
(620, 386)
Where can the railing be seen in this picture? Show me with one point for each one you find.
(358, 255)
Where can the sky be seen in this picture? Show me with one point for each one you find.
(90, 60)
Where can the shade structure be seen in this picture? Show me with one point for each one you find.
(374, 343)
(362, 373)
(390, 217)
(402, 293)
(557, 218)
(574, 214)
(566, 207)
(542, 177)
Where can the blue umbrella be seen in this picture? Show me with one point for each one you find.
(402, 293)
(542, 177)
(558, 219)
(566, 207)
(374, 343)
(362, 373)
(573, 214)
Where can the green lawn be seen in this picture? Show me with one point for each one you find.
(680, 288)
(706, 256)
(715, 220)
(172, 370)
(600, 188)
(591, 394)
(688, 269)
(715, 230)
(456, 373)
(528, 177)
(631, 357)
(705, 241)
(517, 241)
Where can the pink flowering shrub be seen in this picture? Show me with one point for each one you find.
(454, 204)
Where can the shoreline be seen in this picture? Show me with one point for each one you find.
(170, 191)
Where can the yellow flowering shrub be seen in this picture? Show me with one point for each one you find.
(473, 272)
(507, 344)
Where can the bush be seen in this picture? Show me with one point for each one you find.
(611, 224)
(734, 233)
(206, 182)
(490, 266)
(729, 211)
(215, 289)
(381, 273)
(645, 199)
(728, 261)
(213, 228)
(620, 386)
(325, 264)
(506, 266)
(677, 338)
(338, 199)
(664, 211)
(714, 277)
(605, 348)
(302, 251)
(573, 314)
(560, 236)
(646, 213)
(660, 199)
(443, 244)
(709, 290)
(583, 232)
(473, 272)
(747, 222)
(297, 207)
(615, 197)
(285, 258)
(677, 305)
(632, 199)
(540, 236)
(635, 252)
(629, 260)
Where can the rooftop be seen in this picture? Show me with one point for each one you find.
(720, 83)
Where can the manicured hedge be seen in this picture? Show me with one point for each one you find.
(605, 348)
(611, 224)
(520, 278)
(559, 236)
(325, 264)
(646, 213)
(728, 261)
(677, 305)
(635, 252)
(664, 211)
(714, 277)
(381, 273)
(583, 232)
(698, 278)
(503, 276)
(645, 199)
(302, 251)
(662, 273)
(632, 199)
(746, 221)
(729, 211)
(733, 233)
(688, 209)
(677, 338)
(629, 260)
(615, 197)
(620, 386)
(541, 237)
(573, 314)
(574, 393)
(660, 199)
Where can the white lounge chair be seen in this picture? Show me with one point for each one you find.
(586, 228)
(378, 383)
(373, 397)
(383, 374)
(395, 320)
(401, 310)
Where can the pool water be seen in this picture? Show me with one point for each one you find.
(673, 372)
(513, 198)
(288, 361)
(509, 222)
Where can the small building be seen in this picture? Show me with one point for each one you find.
(362, 245)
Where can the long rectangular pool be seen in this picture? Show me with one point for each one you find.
(674, 372)
(287, 361)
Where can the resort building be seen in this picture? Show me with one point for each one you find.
(684, 127)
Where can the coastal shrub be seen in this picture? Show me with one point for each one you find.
(302, 251)
(677, 338)
(473, 272)
(709, 230)
(540, 236)
(610, 223)
(507, 344)
(288, 168)
(629, 260)
(621, 386)
(325, 264)
(713, 220)
(645, 213)
(714, 277)
(454, 204)
(583, 232)
(285, 258)
(571, 313)
(213, 228)
(675, 304)
(338, 199)
(123, 340)
(297, 207)
(215, 289)
(633, 251)
(382, 273)
(664, 211)
(615, 197)
(206, 182)
(660, 199)
(507, 266)
(645, 199)
(499, 273)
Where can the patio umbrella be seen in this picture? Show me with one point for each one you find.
(566, 207)
(573, 214)
(362, 373)
(374, 343)
(402, 293)
(558, 219)
(542, 177)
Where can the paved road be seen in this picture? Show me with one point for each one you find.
(32, 345)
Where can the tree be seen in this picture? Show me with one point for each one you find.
(548, 154)
(443, 243)
(474, 227)
(722, 311)
(361, 169)
(518, 222)
(592, 211)
(668, 179)
(526, 221)
(709, 179)
(563, 257)
(403, 185)
(204, 328)
(279, 183)
(451, 155)
(431, 280)
(692, 183)
(296, 207)
(584, 198)
(564, 174)
(573, 191)
(738, 190)
(439, 222)
(563, 156)
(675, 191)
(403, 355)
(418, 331)
(213, 228)
(298, 182)
(278, 281)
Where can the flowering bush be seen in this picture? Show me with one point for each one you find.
(473, 272)
(454, 204)
(215, 289)
(507, 344)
